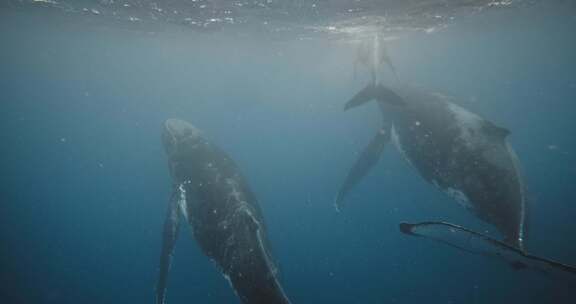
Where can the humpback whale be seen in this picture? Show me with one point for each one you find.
(464, 155)
(211, 194)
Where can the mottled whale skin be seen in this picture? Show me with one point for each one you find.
(461, 153)
(214, 198)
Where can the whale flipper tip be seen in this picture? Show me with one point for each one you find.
(406, 228)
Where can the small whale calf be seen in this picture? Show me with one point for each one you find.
(211, 194)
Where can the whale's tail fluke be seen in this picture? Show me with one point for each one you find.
(376, 92)
(478, 243)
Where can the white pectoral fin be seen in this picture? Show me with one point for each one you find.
(180, 198)
(171, 227)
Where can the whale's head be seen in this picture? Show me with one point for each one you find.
(177, 135)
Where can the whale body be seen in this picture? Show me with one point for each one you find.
(459, 152)
(211, 194)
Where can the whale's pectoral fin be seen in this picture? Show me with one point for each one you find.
(374, 92)
(171, 227)
(366, 161)
(478, 243)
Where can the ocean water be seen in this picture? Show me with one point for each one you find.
(86, 85)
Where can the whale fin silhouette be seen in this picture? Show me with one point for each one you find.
(478, 243)
(366, 161)
(376, 92)
(495, 130)
(170, 233)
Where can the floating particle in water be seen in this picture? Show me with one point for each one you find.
(45, 1)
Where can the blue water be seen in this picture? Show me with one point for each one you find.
(84, 183)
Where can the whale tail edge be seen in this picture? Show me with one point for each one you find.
(376, 92)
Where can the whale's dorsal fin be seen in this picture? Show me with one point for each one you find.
(495, 130)
(171, 227)
(365, 161)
